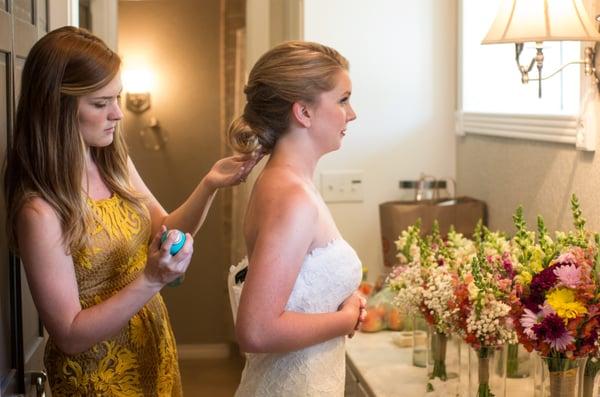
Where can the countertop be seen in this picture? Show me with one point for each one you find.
(386, 370)
(383, 368)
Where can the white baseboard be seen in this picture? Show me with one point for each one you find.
(204, 351)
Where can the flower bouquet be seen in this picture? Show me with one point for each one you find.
(425, 287)
(482, 298)
(405, 282)
(555, 305)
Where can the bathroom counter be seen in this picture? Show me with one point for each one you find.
(377, 367)
(381, 368)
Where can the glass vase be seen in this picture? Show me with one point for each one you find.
(562, 377)
(487, 372)
(419, 330)
(520, 369)
(591, 387)
(443, 363)
(518, 361)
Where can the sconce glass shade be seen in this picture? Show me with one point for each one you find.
(138, 80)
(138, 84)
(520, 21)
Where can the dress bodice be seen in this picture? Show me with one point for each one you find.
(328, 275)
(141, 359)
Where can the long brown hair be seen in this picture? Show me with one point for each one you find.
(47, 155)
(290, 72)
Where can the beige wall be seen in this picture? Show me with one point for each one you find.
(540, 176)
(179, 40)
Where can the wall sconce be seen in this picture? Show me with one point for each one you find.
(520, 21)
(138, 83)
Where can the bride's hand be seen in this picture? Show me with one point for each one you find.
(356, 305)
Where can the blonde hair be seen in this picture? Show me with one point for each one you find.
(46, 157)
(290, 72)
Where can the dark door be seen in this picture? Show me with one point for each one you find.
(22, 22)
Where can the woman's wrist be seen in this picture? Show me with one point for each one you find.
(350, 319)
(148, 284)
(208, 186)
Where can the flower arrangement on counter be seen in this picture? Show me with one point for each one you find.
(381, 312)
(425, 286)
(492, 291)
(555, 300)
(483, 298)
(483, 293)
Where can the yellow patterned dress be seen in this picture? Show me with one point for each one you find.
(142, 359)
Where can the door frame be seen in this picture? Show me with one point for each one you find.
(58, 13)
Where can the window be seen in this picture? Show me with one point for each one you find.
(492, 99)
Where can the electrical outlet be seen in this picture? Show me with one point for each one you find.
(342, 186)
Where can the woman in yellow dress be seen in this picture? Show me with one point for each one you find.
(88, 229)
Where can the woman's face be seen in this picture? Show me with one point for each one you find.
(99, 113)
(333, 112)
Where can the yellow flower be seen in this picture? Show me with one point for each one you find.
(524, 278)
(536, 266)
(537, 260)
(562, 300)
(473, 291)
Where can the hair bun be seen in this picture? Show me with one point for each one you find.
(242, 138)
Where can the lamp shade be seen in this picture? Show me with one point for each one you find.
(520, 21)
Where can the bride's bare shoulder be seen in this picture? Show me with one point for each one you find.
(279, 189)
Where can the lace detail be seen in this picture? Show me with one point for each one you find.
(141, 360)
(327, 277)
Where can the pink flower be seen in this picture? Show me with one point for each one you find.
(504, 284)
(553, 331)
(568, 258)
(561, 343)
(528, 320)
(397, 270)
(568, 275)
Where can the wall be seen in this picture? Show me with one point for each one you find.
(179, 40)
(285, 22)
(105, 20)
(540, 176)
(402, 57)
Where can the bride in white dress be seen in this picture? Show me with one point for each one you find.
(298, 302)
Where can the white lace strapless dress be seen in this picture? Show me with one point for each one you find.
(327, 277)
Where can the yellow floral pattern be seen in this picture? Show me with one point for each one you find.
(142, 359)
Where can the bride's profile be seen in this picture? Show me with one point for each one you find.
(298, 301)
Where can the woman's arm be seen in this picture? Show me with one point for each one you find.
(286, 232)
(51, 277)
(190, 215)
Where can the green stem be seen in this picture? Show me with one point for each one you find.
(563, 374)
(512, 361)
(439, 343)
(484, 354)
(484, 391)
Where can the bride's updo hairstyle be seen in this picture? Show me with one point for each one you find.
(290, 72)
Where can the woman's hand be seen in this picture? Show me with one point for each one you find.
(356, 306)
(162, 267)
(230, 171)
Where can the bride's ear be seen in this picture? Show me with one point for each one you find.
(301, 114)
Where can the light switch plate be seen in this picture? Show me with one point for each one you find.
(342, 186)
